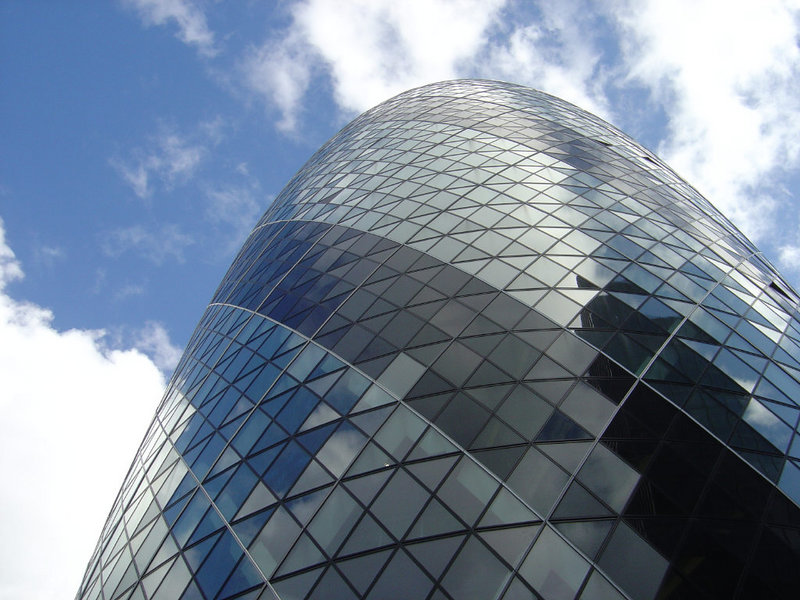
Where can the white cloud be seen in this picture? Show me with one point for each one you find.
(170, 158)
(559, 54)
(153, 339)
(789, 256)
(371, 49)
(159, 245)
(72, 413)
(280, 73)
(9, 266)
(727, 75)
(185, 14)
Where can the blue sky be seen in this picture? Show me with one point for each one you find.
(143, 138)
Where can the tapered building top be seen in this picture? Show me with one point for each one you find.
(482, 346)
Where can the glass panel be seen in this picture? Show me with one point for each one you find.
(586, 535)
(435, 555)
(274, 541)
(476, 573)
(398, 504)
(401, 580)
(468, 490)
(400, 432)
(554, 569)
(598, 588)
(609, 477)
(538, 480)
(334, 520)
(341, 448)
(633, 564)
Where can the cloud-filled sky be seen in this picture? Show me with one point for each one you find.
(143, 138)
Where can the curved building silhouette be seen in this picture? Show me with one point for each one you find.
(482, 346)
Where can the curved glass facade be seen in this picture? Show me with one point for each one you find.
(482, 346)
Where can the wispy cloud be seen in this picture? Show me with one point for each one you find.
(129, 290)
(235, 208)
(370, 50)
(158, 245)
(558, 52)
(186, 15)
(279, 72)
(153, 339)
(72, 413)
(49, 255)
(726, 75)
(170, 159)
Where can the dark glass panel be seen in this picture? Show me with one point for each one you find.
(298, 586)
(467, 490)
(402, 328)
(457, 363)
(361, 571)
(431, 472)
(598, 588)
(707, 409)
(462, 419)
(538, 481)
(505, 311)
(634, 356)
(286, 468)
(774, 562)
(560, 427)
(588, 536)
(244, 577)
(510, 543)
(435, 520)
(401, 579)
(452, 318)
(650, 409)
(500, 461)
(554, 569)
(399, 502)
(332, 587)
(334, 520)
(219, 564)
(400, 432)
(487, 374)
(475, 574)
(588, 408)
(633, 564)
(303, 554)
(514, 356)
(577, 503)
(367, 535)
(430, 406)
(507, 509)
(436, 554)
(567, 454)
(677, 478)
(519, 591)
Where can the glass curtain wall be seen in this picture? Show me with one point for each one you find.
(482, 346)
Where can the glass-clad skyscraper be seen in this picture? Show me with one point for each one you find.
(482, 346)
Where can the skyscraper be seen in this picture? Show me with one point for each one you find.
(483, 345)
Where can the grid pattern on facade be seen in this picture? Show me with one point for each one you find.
(483, 345)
